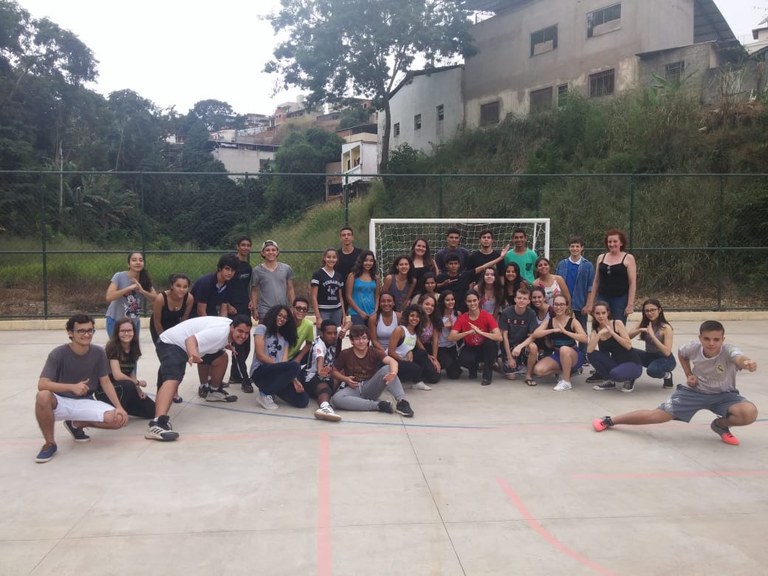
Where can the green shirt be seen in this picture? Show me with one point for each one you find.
(306, 333)
(526, 261)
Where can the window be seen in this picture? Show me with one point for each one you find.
(562, 94)
(489, 113)
(541, 100)
(604, 20)
(674, 71)
(417, 122)
(397, 128)
(544, 40)
(601, 84)
(440, 110)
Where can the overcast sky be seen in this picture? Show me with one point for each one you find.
(178, 52)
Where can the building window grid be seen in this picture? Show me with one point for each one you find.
(489, 113)
(562, 94)
(396, 128)
(673, 72)
(542, 37)
(417, 122)
(598, 17)
(541, 100)
(601, 84)
(440, 111)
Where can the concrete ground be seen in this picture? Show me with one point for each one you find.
(501, 480)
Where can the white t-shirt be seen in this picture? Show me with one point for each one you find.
(320, 350)
(211, 333)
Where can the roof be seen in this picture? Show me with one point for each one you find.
(709, 25)
(493, 5)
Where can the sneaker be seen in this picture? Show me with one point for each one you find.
(246, 387)
(160, 430)
(327, 413)
(47, 452)
(600, 424)
(668, 380)
(724, 433)
(595, 378)
(386, 406)
(220, 395)
(77, 433)
(607, 385)
(404, 409)
(266, 402)
(485, 382)
(421, 386)
(629, 386)
(203, 390)
(562, 385)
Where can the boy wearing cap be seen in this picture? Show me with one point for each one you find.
(271, 282)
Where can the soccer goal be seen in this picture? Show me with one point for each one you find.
(391, 237)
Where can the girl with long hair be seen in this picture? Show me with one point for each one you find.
(610, 351)
(361, 288)
(326, 288)
(127, 291)
(400, 281)
(658, 357)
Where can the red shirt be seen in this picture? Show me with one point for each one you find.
(485, 322)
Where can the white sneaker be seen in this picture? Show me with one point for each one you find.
(421, 386)
(267, 402)
(562, 385)
(327, 413)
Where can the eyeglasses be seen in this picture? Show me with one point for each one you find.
(85, 332)
(301, 309)
(559, 304)
(125, 332)
(651, 310)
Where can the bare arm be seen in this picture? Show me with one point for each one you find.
(595, 284)
(372, 329)
(157, 312)
(315, 306)
(290, 292)
(632, 277)
(188, 307)
(260, 350)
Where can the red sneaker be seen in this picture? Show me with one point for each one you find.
(724, 433)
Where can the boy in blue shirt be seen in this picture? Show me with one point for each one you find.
(579, 273)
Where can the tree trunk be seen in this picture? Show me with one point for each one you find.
(385, 138)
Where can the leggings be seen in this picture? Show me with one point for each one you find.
(608, 368)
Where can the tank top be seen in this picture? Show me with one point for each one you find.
(551, 291)
(489, 305)
(399, 295)
(442, 340)
(618, 353)
(364, 295)
(408, 344)
(650, 345)
(426, 336)
(168, 318)
(559, 339)
(384, 331)
(614, 279)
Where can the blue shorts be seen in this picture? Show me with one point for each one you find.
(579, 358)
(685, 402)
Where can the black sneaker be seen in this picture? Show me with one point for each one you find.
(386, 406)
(595, 378)
(220, 395)
(160, 430)
(404, 409)
(629, 386)
(203, 390)
(668, 380)
(77, 433)
(486, 382)
(246, 387)
(608, 385)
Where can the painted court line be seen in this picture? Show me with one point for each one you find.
(680, 474)
(545, 534)
(324, 559)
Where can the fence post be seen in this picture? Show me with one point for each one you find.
(44, 246)
(631, 210)
(142, 219)
(247, 206)
(440, 197)
(345, 191)
(719, 245)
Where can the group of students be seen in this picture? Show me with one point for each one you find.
(490, 309)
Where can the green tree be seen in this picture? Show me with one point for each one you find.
(338, 49)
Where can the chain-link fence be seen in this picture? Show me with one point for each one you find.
(701, 241)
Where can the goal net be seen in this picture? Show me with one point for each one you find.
(391, 237)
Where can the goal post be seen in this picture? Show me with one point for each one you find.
(391, 237)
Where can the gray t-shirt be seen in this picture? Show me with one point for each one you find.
(272, 286)
(129, 305)
(274, 344)
(66, 367)
(716, 374)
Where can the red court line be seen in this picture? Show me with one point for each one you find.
(546, 535)
(681, 474)
(324, 562)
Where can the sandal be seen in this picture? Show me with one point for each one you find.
(530, 382)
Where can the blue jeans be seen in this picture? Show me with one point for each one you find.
(617, 304)
(277, 379)
(656, 364)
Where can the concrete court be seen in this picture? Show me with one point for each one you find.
(500, 480)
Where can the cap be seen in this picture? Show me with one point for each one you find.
(269, 243)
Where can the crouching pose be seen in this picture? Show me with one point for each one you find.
(364, 372)
(710, 367)
(71, 375)
(316, 377)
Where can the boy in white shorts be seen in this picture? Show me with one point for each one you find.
(72, 373)
(710, 367)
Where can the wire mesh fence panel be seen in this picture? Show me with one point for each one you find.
(699, 240)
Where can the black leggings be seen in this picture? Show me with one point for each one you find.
(129, 399)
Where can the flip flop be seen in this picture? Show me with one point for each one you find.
(530, 382)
